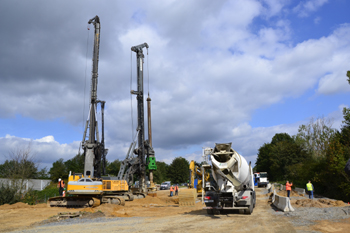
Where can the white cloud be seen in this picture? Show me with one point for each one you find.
(44, 150)
(317, 20)
(47, 139)
(303, 9)
(274, 7)
(210, 67)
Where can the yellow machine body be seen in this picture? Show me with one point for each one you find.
(196, 172)
(83, 185)
(115, 185)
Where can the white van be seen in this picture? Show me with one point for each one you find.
(165, 185)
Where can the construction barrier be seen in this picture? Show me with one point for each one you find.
(268, 186)
(282, 203)
(271, 188)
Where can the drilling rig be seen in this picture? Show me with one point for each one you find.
(92, 188)
(142, 158)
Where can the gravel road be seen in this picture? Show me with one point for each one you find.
(172, 218)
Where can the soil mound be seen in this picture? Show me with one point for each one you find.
(332, 203)
(309, 203)
(43, 205)
(110, 210)
(17, 205)
(293, 193)
(320, 203)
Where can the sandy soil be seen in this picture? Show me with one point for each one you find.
(156, 214)
(331, 226)
(293, 193)
(319, 203)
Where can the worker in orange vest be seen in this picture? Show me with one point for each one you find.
(60, 186)
(176, 190)
(288, 188)
(171, 190)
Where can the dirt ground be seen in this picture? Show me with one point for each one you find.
(319, 203)
(293, 193)
(157, 214)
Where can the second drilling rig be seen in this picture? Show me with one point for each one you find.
(141, 159)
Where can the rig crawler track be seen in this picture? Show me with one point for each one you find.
(87, 201)
(77, 201)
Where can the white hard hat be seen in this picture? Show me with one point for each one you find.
(59, 179)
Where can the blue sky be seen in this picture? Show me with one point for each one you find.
(220, 71)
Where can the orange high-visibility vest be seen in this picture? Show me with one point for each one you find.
(176, 188)
(171, 188)
(289, 186)
(61, 184)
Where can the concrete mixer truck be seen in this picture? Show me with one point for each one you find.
(232, 185)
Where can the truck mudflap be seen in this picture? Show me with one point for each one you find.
(76, 201)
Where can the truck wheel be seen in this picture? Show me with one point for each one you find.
(210, 211)
(250, 210)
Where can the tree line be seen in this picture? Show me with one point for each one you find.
(22, 165)
(317, 153)
(176, 172)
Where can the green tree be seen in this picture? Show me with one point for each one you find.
(178, 171)
(6, 168)
(345, 129)
(75, 164)
(279, 157)
(21, 164)
(43, 174)
(113, 167)
(18, 169)
(263, 161)
(330, 178)
(58, 170)
(281, 137)
(284, 156)
(160, 175)
(315, 136)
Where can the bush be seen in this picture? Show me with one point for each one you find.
(31, 197)
(49, 191)
(8, 195)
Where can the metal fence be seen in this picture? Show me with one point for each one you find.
(34, 184)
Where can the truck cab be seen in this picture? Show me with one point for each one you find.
(263, 181)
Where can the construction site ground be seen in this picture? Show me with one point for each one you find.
(163, 214)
